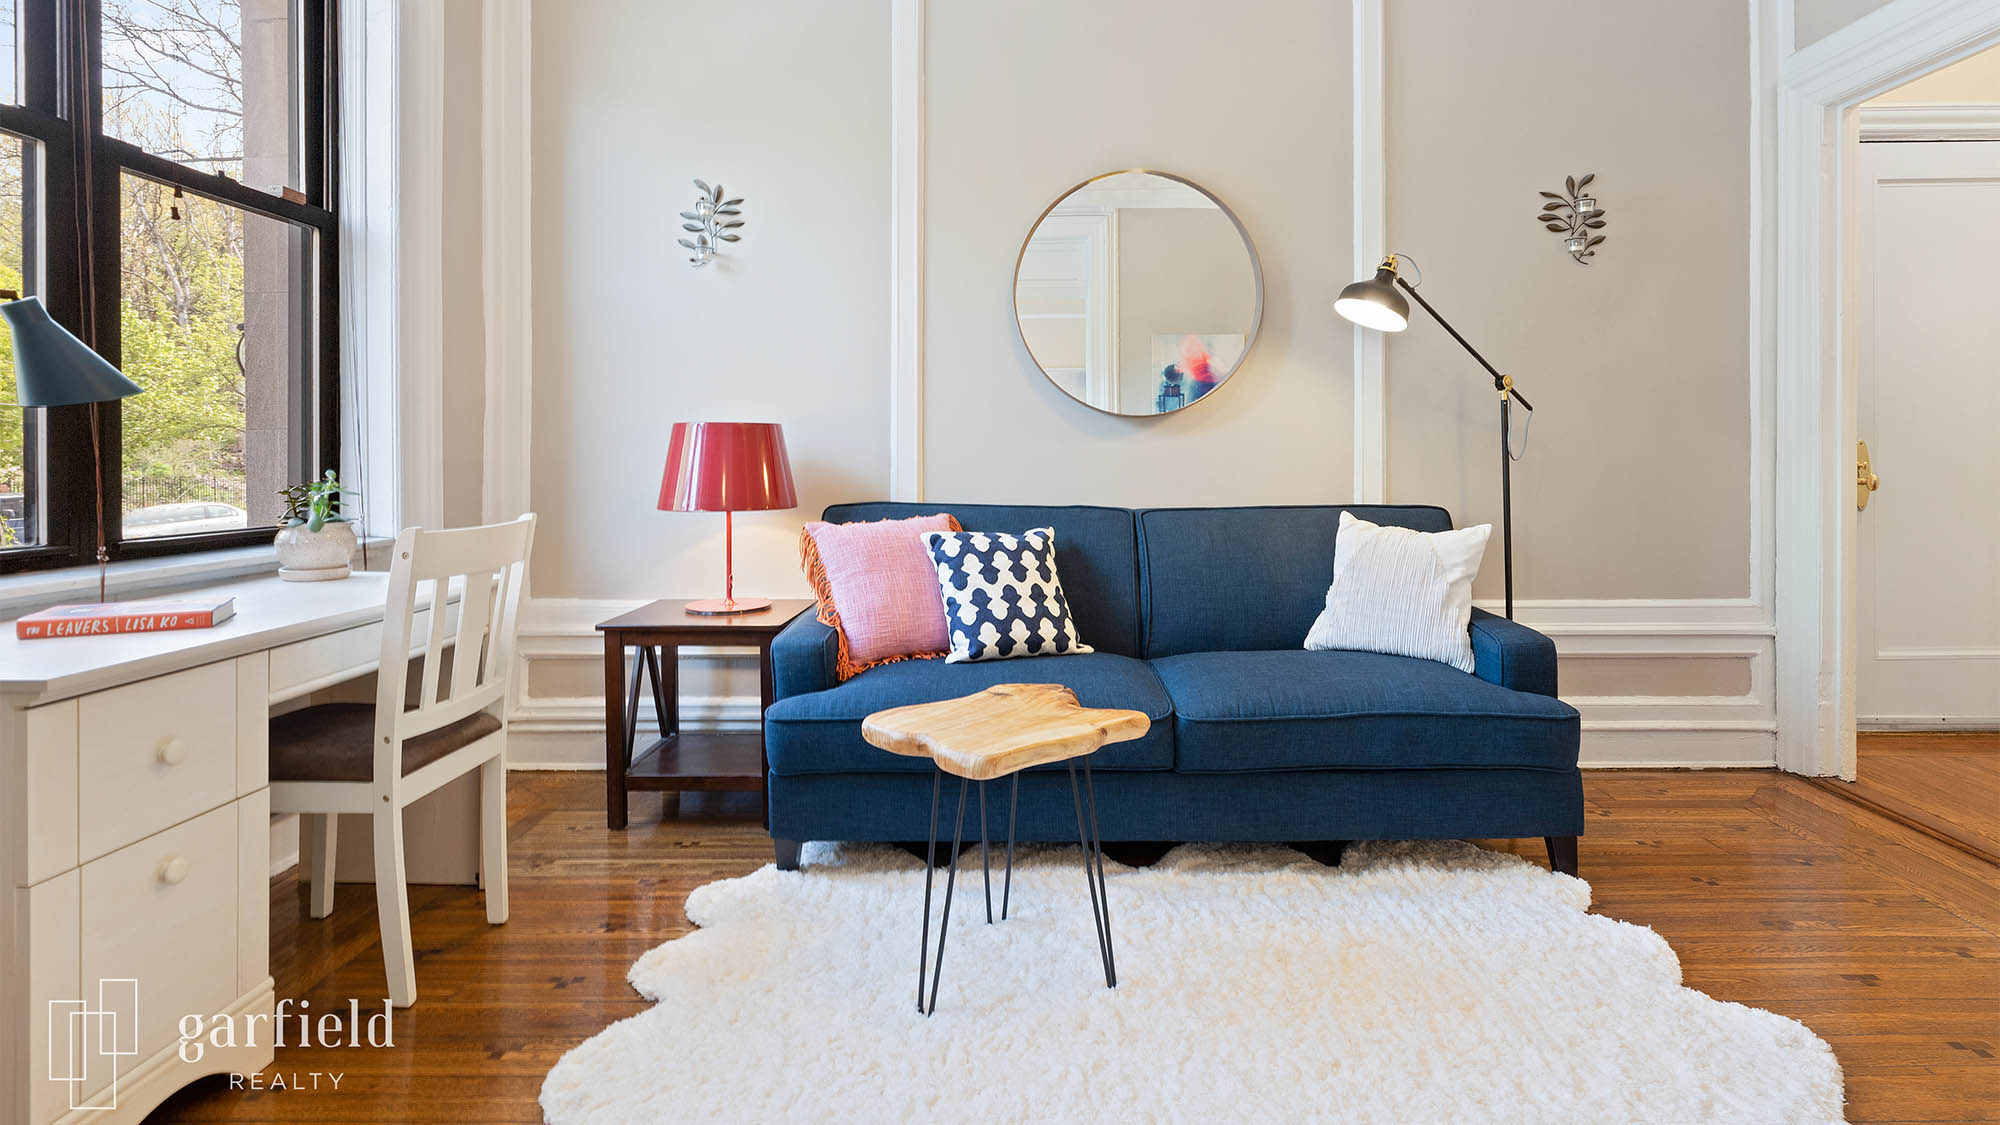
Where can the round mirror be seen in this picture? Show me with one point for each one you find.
(1138, 293)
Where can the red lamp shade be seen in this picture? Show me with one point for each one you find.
(727, 467)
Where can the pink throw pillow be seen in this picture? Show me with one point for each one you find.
(877, 586)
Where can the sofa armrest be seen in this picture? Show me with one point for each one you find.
(1512, 655)
(802, 657)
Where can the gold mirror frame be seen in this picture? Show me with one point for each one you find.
(1256, 274)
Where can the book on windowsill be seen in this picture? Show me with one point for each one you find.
(98, 619)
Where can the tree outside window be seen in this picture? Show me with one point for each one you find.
(208, 291)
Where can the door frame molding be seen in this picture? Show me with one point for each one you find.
(1810, 168)
(1935, 121)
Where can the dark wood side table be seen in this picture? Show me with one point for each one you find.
(680, 760)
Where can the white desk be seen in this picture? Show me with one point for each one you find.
(135, 837)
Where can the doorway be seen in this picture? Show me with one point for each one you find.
(1925, 357)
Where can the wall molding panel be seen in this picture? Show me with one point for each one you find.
(507, 258)
(906, 250)
(566, 731)
(1371, 234)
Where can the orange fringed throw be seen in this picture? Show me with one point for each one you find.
(844, 666)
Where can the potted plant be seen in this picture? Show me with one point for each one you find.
(316, 542)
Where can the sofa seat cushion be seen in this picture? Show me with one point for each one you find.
(820, 732)
(1241, 712)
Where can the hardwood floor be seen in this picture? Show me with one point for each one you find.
(1945, 784)
(1774, 892)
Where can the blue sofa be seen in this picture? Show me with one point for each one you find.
(1198, 616)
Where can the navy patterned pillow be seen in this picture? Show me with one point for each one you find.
(1002, 598)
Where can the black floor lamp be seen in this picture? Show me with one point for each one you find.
(1374, 303)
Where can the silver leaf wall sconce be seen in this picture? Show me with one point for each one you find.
(713, 222)
(1576, 216)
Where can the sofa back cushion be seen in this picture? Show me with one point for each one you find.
(1244, 579)
(1097, 555)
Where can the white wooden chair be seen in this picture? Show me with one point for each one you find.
(352, 758)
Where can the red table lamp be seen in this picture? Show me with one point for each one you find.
(727, 467)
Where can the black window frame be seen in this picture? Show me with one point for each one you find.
(60, 75)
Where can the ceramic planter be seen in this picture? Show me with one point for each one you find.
(315, 556)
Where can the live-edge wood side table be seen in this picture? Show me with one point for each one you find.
(680, 760)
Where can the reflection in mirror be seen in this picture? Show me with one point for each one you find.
(1138, 293)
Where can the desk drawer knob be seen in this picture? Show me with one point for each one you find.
(173, 870)
(172, 752)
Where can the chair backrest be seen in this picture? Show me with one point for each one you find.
(488, 568)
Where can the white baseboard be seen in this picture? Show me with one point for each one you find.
(284, 843)
(1928, 722)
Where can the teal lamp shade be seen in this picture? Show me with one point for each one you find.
(54, 368)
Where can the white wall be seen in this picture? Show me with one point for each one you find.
(1026, 99)
(1634, 505)
(785, 102)
(1814, 20)
(1634, 483)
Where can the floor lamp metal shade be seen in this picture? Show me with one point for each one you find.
(54, 368)
(727, 467)
(1374, 303)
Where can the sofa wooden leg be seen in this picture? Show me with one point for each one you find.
(1326, 853)
(786, 853)
(1136, 853)
(1562, 853)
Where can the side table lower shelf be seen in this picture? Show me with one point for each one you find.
(708, 760)
(680, 760)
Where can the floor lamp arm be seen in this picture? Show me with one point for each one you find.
(1508, 396)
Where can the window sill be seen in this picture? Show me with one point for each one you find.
(36, 590)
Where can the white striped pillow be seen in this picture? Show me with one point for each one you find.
(1403, 592)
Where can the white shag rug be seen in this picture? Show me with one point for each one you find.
(1432, 982)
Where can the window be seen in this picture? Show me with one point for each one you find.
(19, 490)
(182, 224)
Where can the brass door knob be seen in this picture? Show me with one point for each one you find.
(1865, 480)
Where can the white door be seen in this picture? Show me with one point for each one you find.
(1927, 335)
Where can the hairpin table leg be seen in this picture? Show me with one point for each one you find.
(930, 869)
(985, 866)
(1103, 892)
(950, 883)
(1090, 878)
(1007, 887)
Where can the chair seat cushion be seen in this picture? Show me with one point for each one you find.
(820, 732)
(335, 742)
(1294, 709)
